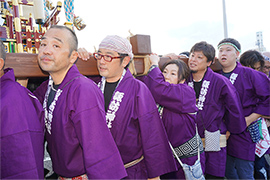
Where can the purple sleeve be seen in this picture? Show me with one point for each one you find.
(234, 117)
(262, 90)
(101, 156)
(179, 98)
(157, 153)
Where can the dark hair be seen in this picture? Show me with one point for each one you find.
(231, 40)
(185, 53)
(183, 70)
(73, 41)
(250, 58)
(2, 51)
(121, 60)
(207, 49)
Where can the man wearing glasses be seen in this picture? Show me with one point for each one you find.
(131, 113)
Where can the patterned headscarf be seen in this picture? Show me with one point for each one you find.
(266, 58)
(118, 44)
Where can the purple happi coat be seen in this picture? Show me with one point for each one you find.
(219, 109)
(254, 90)
(79, 141)
(22, 131)
(179, 113)
(134, 121)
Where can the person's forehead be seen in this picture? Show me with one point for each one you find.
(198, 53)
(226, 46)
(56, 34)
(172, 67)
(107, 51)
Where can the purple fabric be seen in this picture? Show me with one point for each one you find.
(22, 131)
(178, 100)
(80, 141)
(253, 88)
(138, 130)
(223, 111)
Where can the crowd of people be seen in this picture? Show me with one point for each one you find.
(180, 121)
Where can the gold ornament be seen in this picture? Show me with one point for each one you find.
(79, 23)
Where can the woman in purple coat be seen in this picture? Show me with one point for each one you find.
(177, 105)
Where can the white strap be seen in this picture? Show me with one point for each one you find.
(178, 159)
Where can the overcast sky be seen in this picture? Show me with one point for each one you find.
(173, 25)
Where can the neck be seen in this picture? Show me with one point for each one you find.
(114, 78)
(59, 76)
(1, 73)
(198, 76)
(229, 68)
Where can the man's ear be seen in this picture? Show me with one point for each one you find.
(73, 57)
(126, 60)
(237, 53)
(2, 63)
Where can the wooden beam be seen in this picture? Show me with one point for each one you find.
(25, 65)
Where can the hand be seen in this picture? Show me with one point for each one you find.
(227, 135)
(251, 118)
(154, 59)
(84, 54)
(155, 178)
(171, 56)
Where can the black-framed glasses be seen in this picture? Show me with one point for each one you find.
(107, 58)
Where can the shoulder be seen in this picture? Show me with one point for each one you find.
(41, 90)
(219, 78)
(84, 83)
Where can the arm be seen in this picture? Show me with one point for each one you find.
(261, 84)
(234, 117)
(179, 98)
(98, 146)
(153, 136)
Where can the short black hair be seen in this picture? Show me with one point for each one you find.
(251, 57)
(207, 49)
(73, 41)
(183, 69)
(231, 40)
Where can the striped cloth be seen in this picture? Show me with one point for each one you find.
(118, 44)
(69, 10)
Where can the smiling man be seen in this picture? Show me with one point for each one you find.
(219, 108)
(79, 141)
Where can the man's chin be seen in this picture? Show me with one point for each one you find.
(193, 71)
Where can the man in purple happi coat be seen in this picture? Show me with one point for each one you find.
(218, 104)
(131, 113)
(254, 90)
(22, 130)
(79, 142)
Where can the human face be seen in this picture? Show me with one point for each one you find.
(113, 70)
(257, 66)
(227, 56)
(266, 67)
(198, 62)
(170, 74)
(54, 53)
